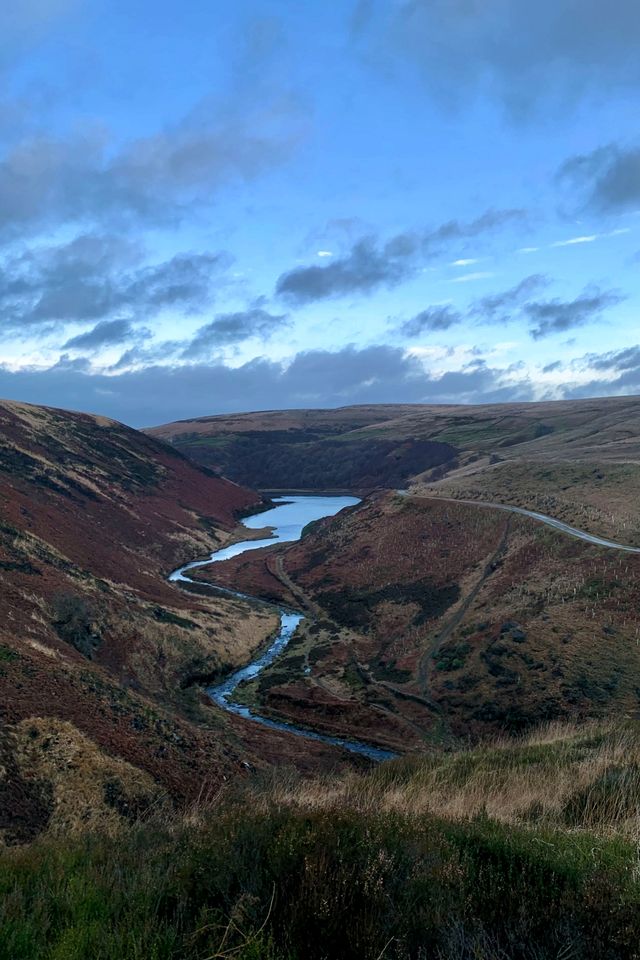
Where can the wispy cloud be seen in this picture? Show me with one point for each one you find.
(574, 240)
(471, 277)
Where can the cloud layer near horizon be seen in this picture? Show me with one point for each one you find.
(377, 374)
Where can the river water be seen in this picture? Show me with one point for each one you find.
(287, 521)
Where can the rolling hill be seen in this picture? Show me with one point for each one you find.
(368, 447)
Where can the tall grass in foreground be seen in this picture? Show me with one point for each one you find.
(561, 776)
(360, 868)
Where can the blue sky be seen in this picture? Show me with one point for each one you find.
(208, 207)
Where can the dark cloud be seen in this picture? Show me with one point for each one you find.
(523, 54)
(361, 271)
(370, 264)
(615, 360)
(93, 276)
(501, 306)
(107, 333)
(433, 318)
(557, 316)
(496, 308)
(377, 374)
(229, 328)
(24, 22)
(360, 17)
(608, 178)
(186, 280)
(550, 367)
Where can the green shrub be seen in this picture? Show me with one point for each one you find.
(321, 886)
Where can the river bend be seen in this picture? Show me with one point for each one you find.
(287, 521)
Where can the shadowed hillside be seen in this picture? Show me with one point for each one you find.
(99, 656)
(387, 445)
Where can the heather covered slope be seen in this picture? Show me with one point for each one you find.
(387, 445)
(439, 621)
(99, 655)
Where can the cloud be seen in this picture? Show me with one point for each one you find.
(500, 307)
(361, 271)
(575, 240)
(617, 372)
(471, 277)
(107, 333)
(545, 317)
(370, 264)
(22, 23)
(557, 316)
(616, 360)
(376, 374)
(431, 319)
(94, 276)
(524, 55)
(360, 17)
(154, 180)
(608, 178)
(229, 328)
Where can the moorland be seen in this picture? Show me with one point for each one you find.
(498, 657)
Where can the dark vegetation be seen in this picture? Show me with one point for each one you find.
(355, 607)
(306, 460)
(26, 805)
(75, 621)
(282, 884)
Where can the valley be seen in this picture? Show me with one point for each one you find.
(271, 694)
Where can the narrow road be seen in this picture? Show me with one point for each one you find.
(543, 518)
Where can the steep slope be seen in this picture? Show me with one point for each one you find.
(308, 449)
(98, 653)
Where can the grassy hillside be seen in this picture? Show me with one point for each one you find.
(523, 849)
(600, 497)
(387, 445)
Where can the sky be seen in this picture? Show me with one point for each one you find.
(208, 208)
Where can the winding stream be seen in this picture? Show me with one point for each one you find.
(287, 521)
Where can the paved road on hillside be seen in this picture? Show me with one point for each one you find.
(543, 518)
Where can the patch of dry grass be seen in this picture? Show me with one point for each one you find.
(562, 775)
